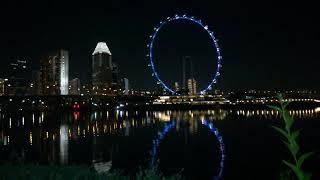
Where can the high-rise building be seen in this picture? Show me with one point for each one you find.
(116, 85)
(54, 72)
(192, 86)
(2, 87)
(86, 89)
(17, 78)
(74, 86)
(187, 73)
(126, 86)
(102, 68)
(64, 72)
(35, 85)
(176, 86)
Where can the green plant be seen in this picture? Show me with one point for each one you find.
(290, 140)
(12, 171)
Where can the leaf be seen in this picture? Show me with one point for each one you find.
(294, 148)
(295, 134)
(289, 121)
(294, 168)
(290, 165)
(285, 115)
(303, 157)
(284, 133)
(287, 144)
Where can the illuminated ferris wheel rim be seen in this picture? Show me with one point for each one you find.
(171, 125)
(214, 42)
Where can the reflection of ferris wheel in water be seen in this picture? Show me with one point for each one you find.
(171, 125)
(214, 41)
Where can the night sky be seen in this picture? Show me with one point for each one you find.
(265, 45)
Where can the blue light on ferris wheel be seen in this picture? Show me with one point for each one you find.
(211, 35)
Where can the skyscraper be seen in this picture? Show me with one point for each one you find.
(176, 86)
(18, 78)
(126, 86)
(54, 73)
(35, 86)
(116, 84)
(2, 86)
(74, 86)
(64, 72)
(188, 80)
(101, 69)
(192, 86)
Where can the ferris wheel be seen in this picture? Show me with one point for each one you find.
(213, 41)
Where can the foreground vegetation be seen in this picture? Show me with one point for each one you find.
(50, 172)
(290, 136)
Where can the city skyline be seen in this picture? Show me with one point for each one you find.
(270, 50)
(210, 89)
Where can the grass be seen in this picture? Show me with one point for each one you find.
(49, 172)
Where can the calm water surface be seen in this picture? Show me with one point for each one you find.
(130, 139)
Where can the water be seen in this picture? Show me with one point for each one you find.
(133, 139)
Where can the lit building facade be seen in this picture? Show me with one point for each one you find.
(116, 80)
(74, 86)
(176, 86)
(35, 85)
(192, 86)
(64, 72)
(85, 89)
(54, 74)
(17, 82)
(187, 75)
(2, 87)
(102, 68)
(126, 86)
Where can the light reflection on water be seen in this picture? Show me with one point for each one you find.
(82, 137)
(97, 123)
(272, 114)
(64, 141)
(103, 123)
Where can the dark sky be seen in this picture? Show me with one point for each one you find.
(265, 44)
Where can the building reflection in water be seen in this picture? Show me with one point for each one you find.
(76, 115)
(57, 137)
(127, 126)
(64, 142)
